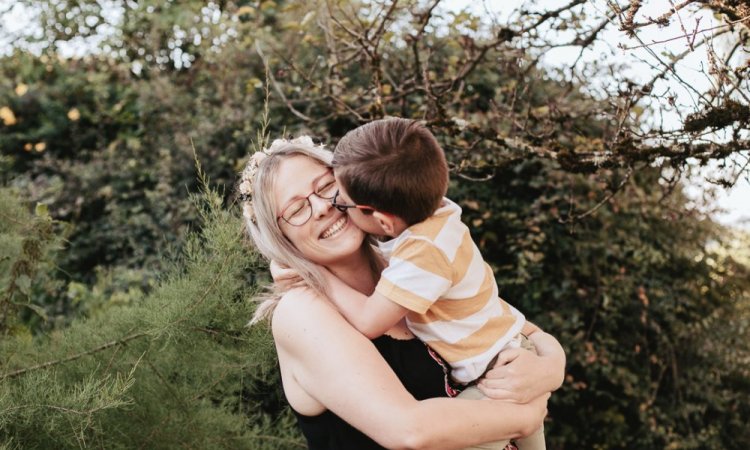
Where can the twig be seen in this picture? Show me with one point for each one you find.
(627, 24)
(686, 35)
(602, 202)
(682, 25)
(552, 14)
(670, 67)
(122, 341)
(332, 97)
(277, 87)
(381, 28)
(664, 18)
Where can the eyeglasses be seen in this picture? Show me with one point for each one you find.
(343, 207)
(299, 211)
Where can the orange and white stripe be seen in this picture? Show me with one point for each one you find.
(437, 272)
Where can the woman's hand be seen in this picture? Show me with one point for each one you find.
(521, 375)
(538, 410)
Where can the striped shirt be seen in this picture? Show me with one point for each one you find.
(436, 272)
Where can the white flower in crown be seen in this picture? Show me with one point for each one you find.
(279, 143)
(275, 146)
(304, 140)
(248, 175)
(258, 157)
(246, 187)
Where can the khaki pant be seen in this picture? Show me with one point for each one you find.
(533, 442)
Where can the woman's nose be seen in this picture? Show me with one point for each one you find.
(320, 206)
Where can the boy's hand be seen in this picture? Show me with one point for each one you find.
(330, 278)
(282, 274)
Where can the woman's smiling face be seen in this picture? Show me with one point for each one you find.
(329, 235)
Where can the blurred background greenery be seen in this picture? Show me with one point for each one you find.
(125, 280)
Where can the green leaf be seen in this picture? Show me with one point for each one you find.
(41, 210)
(38, 310)
(23, 282)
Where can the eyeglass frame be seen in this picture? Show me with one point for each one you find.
(307, 199)
(344, 207)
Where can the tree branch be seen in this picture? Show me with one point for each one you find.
(121, 341)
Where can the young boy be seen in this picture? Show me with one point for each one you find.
(392, 178)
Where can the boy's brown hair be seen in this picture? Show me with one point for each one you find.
(393, 165)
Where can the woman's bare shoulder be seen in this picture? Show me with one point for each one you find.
(302, 310)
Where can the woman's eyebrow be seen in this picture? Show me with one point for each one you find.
(313, 184)
(316, 180)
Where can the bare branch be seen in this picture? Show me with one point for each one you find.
(276, 86)
(553, 14)
(606, 199)
(686, 35)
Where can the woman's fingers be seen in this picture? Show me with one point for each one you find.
(498, 393)
(507, 356)
(513, 377)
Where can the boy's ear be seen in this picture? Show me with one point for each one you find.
(387, 222)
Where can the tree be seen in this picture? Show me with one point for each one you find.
(574, 194)
(177, 368)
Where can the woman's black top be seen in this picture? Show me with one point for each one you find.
(420, 374)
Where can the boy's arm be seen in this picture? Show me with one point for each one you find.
(371, 316)
(529, 329)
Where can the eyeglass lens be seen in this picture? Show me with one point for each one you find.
(300, 211)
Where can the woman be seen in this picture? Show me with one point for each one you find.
(333, 377)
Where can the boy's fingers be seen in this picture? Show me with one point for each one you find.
(281, 273)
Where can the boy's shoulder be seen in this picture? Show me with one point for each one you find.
(445, 219)
(440, 235)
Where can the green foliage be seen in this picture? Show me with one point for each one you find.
(28, 243)
(649, 298)
(650, 316)
(178, 367)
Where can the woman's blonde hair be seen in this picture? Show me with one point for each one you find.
(259, 213)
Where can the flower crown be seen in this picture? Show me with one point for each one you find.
(247, 178)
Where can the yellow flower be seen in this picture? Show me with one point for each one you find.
(74, 114)
(40, 147)
(21, 89)
(245, 10)
(28, 147)
(8, 117)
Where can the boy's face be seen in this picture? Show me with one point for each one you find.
(366, 222)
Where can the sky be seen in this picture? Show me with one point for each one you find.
(734, 202)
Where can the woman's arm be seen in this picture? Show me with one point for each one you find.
(521, 375)
(342, 370)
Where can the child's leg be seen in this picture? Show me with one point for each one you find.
(536, 440)
(533, 442)
(473, 393)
